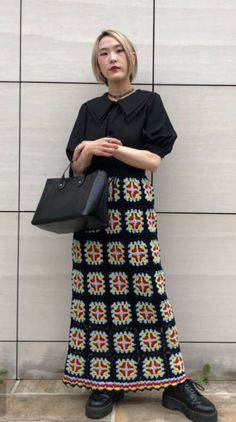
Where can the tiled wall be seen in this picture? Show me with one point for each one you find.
(186, 52)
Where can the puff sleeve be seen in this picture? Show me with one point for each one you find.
(158, 133)
(78, 132)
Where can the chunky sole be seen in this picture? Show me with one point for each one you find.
(174, 404)
(97, 413)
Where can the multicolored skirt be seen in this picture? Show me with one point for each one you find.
(122, 333)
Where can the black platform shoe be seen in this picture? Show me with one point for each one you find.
(186, 398)
(100, 403)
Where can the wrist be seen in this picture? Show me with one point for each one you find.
(118, 152)
(87, 156)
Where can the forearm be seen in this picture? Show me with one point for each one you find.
(143, 159)
(86, 149)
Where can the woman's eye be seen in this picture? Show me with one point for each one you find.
(120, 50)
(103, 54)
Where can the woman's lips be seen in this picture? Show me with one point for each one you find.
(114, 68)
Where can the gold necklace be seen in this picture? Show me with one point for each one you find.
(119, 96)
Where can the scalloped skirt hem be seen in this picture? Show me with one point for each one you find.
(134, 387)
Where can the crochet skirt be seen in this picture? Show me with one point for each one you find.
(122, 333)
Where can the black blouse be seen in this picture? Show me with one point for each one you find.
(138, 120)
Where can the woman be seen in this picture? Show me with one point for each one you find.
(122, 334)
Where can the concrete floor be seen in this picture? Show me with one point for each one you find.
(50, 400)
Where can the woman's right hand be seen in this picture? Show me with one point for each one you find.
(102, 147)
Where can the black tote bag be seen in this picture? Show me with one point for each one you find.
(73, 204)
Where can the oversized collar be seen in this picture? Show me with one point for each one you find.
(130, 105)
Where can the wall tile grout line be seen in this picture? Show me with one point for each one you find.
(136, 83)
(36, 393)
(19, 181)
(159, 212)
(66, 82)
(66, 341)
(153, 60)
(153, 44)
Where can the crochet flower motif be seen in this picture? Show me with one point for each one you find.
(78, 281)
(100, 368)
(97, 312)
(118, 283)
(77, 338)
(93, 252)
(172, 337)
(121, 313)
(150, 340)
(151, 216)
(96, 283)
(132, 189)
(142, 284)
(134, 221)
(114, 221)
(166, 311)
(126, 369)
(75, 364)
(148, 190)
(124, 342)
(78, 310)
(155, 251)
(153, 367)
(160, 281)
(98, 341)
(113, 189)
(76, 252)
(146, 312)
(138, 253)
(115, 252)
(176, 363)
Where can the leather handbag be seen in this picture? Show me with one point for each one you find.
(73, 204)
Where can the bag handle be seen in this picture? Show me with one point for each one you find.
(62, 184)
(67, 168)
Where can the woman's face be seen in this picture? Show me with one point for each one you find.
(112, 59)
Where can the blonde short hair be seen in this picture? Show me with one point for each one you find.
(128, 48)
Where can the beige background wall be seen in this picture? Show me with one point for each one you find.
(187, 53)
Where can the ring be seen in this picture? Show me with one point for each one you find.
(109, 139)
